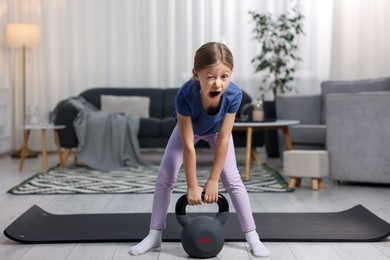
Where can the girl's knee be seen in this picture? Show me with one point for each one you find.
(164, 186)
(234, 186)
(231, 179)
(165, 180)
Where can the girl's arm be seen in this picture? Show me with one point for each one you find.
(194, 192)
(211, 186)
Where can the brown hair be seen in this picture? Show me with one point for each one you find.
(211, 54)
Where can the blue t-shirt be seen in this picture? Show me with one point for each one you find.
(188, 103)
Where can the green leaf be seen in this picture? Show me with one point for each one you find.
(277, 38)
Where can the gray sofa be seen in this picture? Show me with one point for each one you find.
(155, 130)
(349, 119)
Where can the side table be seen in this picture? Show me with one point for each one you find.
(44, 127)
(252, 126)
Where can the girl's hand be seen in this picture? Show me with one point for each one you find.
(194, 196)
(211, 191)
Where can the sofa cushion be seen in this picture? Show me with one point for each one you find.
(155, 94)
(304, 108)
(167, 126)
(149, 127)
(353, 86)
(126, 104)
(308, 134)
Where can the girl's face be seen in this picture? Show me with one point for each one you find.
(213, 81)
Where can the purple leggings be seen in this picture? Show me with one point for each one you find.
(167, 175)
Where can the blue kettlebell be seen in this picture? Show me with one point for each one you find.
(202, 236)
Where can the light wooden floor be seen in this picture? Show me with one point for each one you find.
(332, 198)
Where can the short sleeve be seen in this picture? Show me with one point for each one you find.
(235, 102)
(181, 104)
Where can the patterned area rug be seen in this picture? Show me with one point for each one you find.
(83, 180)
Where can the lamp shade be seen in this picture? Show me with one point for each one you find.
(23, 34)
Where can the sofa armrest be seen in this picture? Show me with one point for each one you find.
(305, 108)
(358, 138)
(65, 114)
(245, 102)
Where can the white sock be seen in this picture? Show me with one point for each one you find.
(151, 241)
(257, 248)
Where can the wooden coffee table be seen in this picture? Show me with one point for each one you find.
(251, 127)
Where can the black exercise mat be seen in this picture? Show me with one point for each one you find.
(356, 224)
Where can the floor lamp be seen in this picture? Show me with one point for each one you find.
(22, 35)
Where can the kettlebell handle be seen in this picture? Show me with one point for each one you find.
(182, 202)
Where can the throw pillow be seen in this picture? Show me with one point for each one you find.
(137, 105)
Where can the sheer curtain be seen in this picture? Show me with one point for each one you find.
(361, 39)
(148, 43)
(151, 43)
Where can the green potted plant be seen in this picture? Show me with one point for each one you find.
(277, 59)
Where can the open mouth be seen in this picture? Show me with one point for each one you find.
(214, 93)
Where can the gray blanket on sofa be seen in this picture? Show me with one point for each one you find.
(107, 141)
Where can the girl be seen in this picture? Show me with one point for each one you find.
(205, 108)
